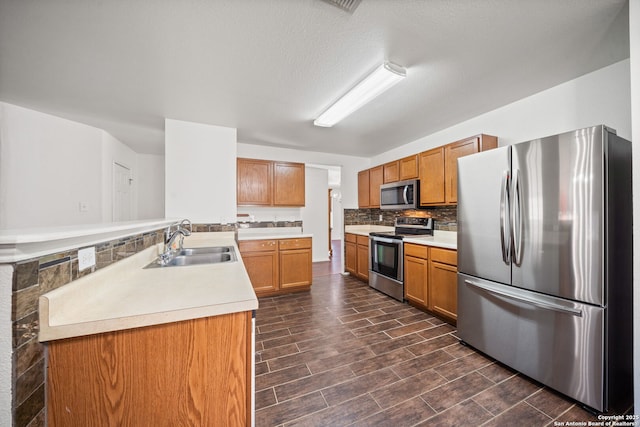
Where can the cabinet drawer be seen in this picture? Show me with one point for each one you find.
(303, 243)
(445, 256)
(363, 240)
(258, 245)
(348, 237)
(418, 251)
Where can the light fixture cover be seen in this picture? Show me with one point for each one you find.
(381, 79)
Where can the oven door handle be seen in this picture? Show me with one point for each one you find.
(384, 239)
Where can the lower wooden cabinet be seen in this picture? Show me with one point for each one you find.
(172, 374)
(443, 286)
(277, 266)
(357, 255)
(416, 274)
(430, 279)
(295, 263)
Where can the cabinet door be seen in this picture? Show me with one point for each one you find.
(295, 268)
(144, 376)
(363, 189)
(431, 165)
(415, 279)
(363, 262)
(253, 185)
(263, 271)
(350, 253)
(443, 291)
(391, 171)
(375, 181)
(409, 167)
(288, 184)
(451, 155)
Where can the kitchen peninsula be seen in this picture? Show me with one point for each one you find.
(111, 334)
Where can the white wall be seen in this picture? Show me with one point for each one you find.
(48, 165)
(315, 213)
(150, 186)
(200, 172)
(601, 97)
(634, 33)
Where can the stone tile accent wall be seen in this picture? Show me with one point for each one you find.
(445, 217)
(32, 278)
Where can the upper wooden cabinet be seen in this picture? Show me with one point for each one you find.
(268, 183)
(391, 171)
(431, 167)
(254, 179)
(438, 169)
(408, 167)
(363, 189)
(369, 182)
(459, 149)
(288, 184)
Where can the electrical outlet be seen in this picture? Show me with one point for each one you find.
(86, 258)
(380, 218)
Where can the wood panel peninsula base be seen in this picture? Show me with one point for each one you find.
(193, 372)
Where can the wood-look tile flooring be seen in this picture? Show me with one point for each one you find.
(345, 354)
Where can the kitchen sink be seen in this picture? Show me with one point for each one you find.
(206, 251)
(198, 256)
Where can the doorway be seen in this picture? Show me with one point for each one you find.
(121, 192)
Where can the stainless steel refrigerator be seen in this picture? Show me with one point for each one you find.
(545, 262)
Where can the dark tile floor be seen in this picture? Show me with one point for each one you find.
(344, 354)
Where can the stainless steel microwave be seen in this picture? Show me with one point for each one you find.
(400, 195)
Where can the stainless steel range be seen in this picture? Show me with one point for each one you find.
(386, 254)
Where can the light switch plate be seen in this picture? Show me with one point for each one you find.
(86, 258)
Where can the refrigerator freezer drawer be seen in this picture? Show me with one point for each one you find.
(557, 342)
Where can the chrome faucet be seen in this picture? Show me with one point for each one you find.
(170, 237)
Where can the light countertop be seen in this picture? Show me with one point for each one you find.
(442, 239)
(271, 233)
(124, 295)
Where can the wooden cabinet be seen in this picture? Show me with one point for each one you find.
(438, 169)
(363, 189)
(171, 374)
(254, 179)
(356, 255)
(443, 283)
(459, 149)
(416, 271)
(288, 184)
(350, 253)
(268, 183)
(431, 280)
(261, 261)
(409, 167)
(431, 170)
(277, 266)
(369, 182)
(295, 263)
(391, 172)
(362, 270)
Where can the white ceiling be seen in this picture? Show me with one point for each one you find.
(269, 67)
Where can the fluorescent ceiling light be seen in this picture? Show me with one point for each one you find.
(382, 78)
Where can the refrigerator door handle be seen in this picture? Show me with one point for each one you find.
(527, 300)
(516, 219)
(504, 218)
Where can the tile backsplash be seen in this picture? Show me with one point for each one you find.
(445, 217)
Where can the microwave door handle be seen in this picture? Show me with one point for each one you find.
(404, 194)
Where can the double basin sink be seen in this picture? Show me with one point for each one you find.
(198, 256)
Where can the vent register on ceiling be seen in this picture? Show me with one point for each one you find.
(346, 5)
